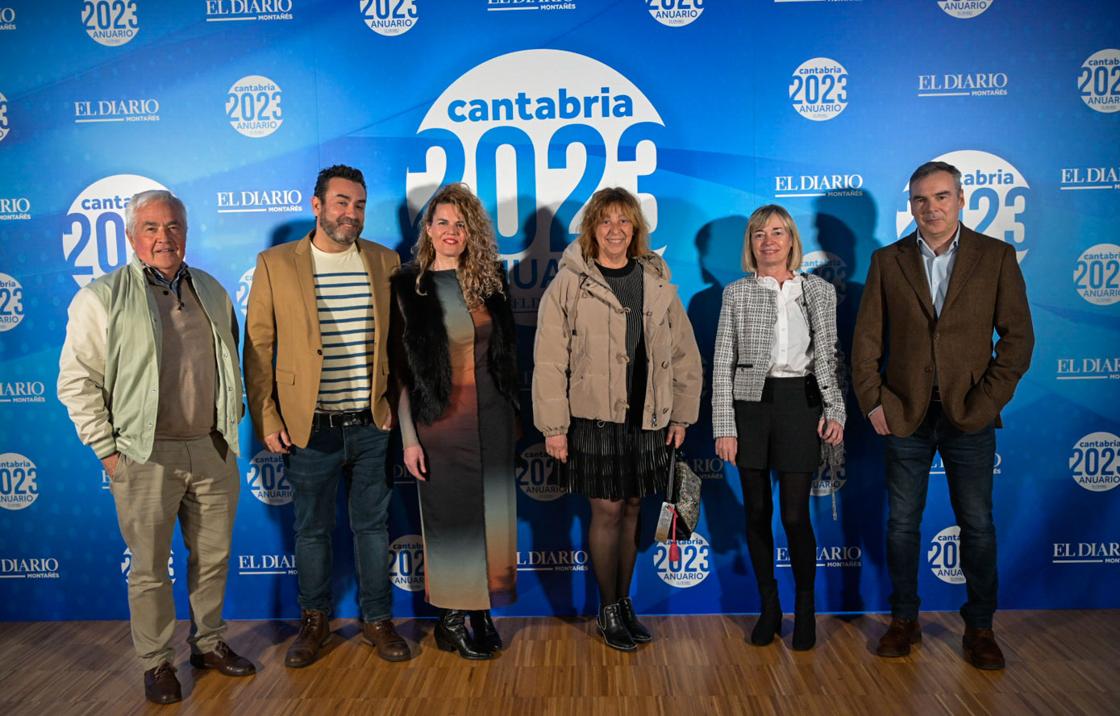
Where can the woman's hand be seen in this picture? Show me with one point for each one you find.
(830, 431)
(557, 447)
(414, 462)
(727, 449)
(675, 436)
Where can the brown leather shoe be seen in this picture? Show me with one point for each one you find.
(981, 649)
(161, 686)
(900, 635)
(389, 644)
(314, 633)
(225, 660)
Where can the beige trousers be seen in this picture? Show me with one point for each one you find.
(198, 482)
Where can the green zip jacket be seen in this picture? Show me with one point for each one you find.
(108, 375)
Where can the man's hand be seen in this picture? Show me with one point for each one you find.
(414, 462)
(109, 462)
(278, 443)
(727, 449)
(557, 447)
(878, 420)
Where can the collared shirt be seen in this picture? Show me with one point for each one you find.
(175, 283)
(792, 351)
(939, 268)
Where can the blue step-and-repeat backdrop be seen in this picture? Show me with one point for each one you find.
(705, 108)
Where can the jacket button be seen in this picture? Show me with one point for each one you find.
(664, 364)
(319, 351)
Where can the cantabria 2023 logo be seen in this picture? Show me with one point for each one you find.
(110, 22)
(535, 133)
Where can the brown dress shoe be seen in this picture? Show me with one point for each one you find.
(314, 633)
(224, 660)
(981, 649)
(900, 635)
(161, 686)
(389, 644)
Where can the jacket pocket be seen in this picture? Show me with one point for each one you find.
(285, 377)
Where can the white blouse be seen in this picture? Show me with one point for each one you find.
(791, 354)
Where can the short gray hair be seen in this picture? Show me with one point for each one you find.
(932, 168)
(139, 201)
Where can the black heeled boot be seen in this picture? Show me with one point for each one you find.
(486, 635)
(770, 617)
(451, 635)
(804, 621)
(638, 632)
(613, 630)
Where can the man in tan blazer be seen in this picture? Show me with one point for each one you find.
(316, 372)
(929, 309)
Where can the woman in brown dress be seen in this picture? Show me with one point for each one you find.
(454, 341)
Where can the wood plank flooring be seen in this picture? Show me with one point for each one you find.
(1059, 662)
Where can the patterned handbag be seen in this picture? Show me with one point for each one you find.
(681, 509)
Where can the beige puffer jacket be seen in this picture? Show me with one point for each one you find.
(580, 350)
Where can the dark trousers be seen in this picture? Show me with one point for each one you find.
(358, 454)
(969, 460)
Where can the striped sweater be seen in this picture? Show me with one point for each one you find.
(345, 304)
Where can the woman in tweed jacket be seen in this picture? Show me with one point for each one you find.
(777, 405)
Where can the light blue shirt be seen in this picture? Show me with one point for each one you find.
(939, 269)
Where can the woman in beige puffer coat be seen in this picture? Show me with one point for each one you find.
(616, 380)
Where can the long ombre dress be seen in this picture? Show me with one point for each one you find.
(468, 504)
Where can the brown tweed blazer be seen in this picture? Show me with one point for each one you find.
(897, 326)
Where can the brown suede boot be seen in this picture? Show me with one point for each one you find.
(384, 637)
(314, 633)
(900, 635)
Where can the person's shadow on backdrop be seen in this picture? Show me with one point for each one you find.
(718, 245)
(845, 223)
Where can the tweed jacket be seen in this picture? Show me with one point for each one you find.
(283, 346)
(897, 325)
(744, 342)
(580, 349)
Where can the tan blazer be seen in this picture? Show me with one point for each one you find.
(283, 349)
(897, 325)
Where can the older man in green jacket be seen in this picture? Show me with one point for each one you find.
(150, 376)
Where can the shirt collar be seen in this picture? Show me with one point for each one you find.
(174, 283)
(928, 252)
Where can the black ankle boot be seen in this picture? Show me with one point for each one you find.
(451, 635)
(804, 621)
(486, 636)
(769, 619)
(613, 630)
(638, 632)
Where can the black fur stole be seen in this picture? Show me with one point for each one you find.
(419, 344)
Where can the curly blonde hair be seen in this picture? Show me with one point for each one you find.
(598, 207)
(479, 273)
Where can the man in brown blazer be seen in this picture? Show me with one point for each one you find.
(930, 306)
(316, 372)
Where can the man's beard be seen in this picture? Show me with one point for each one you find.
(331, 229)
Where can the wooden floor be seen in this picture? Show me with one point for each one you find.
(1057, 663)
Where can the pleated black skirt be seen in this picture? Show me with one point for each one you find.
(613, 461)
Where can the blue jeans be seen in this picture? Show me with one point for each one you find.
(969, 460)
(358, 453)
